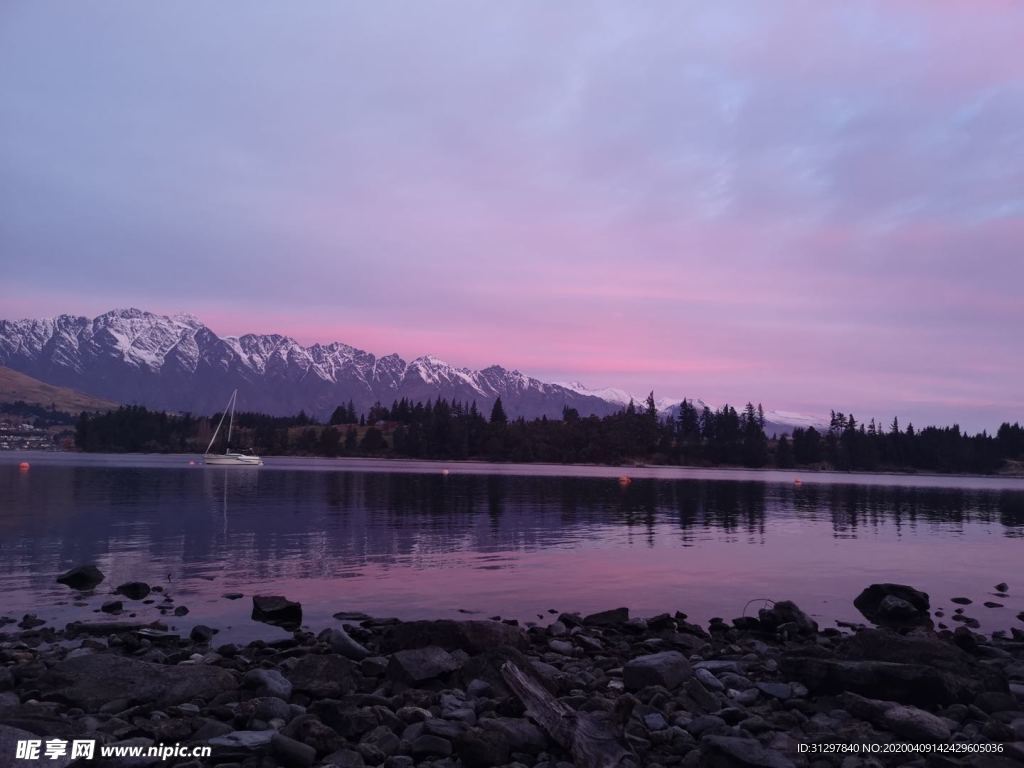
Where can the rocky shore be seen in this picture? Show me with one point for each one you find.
(606, 689)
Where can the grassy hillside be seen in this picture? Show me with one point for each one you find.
(16, 386)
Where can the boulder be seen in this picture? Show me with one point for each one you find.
(785, 613)
(482, 749)
(201, 633)
(292, 753)
(91, 681)
(473, 637)
(909, 683)
(962, 671)
(134, 590)
(268, 682)
(347, 758)
(81, 577)
(708, 680)
(417, 665)
(996, 701)
(429, 745)
(611, 618)
(383, 739)
(112, 606)
(781, 691)
(521, 734)
(244, 739)
(267, 708)
(913, 724)
(276, 610)
(894, 605)
(907, 722)
(326, 675)
(341, 642)
(668, 669)
(735, 751)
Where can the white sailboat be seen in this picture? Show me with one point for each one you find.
(228, 458)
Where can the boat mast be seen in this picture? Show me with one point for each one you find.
(220, 423)
(231, 421)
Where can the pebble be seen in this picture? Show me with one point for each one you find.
(744, 694)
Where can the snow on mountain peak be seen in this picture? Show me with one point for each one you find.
(176, 362)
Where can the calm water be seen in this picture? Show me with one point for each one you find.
(405, 540)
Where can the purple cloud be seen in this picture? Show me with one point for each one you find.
(804, 203)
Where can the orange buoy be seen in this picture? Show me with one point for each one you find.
(798, 481)
(444, 472)
(24, 466)
(624, 481)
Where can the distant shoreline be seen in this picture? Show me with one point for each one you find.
(512, 468)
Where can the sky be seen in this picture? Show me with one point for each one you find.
(810, 204)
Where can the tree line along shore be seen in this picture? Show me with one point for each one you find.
(694, 436)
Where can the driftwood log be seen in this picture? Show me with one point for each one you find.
(590, 741)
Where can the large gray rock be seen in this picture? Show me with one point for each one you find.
(610, 618)
(482, 749)
(268, 682)
(277, 610)
(244, 739)
(91, 681)
(734, 751)
(341, 642)
(81, 577)
(327, 675)
(521, 734)
(895, 605)
(473, 637)
(418, 665)
(267, 708)
(309, 729)
(134, 590)
(786, 613)
(907, 722)
(292, 753)
(668, 669)
(913, 724)
(429, 745)
(907, 683)
(963, 674)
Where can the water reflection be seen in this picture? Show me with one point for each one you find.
(375, 532)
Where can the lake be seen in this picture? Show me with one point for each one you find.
(405, 539)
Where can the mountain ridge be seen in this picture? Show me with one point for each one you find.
(16, 386)
(176, 362)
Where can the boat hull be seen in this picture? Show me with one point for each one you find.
(232, 460)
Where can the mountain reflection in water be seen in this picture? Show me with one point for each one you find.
(411, 545)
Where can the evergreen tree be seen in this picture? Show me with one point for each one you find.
(784, 453)
(498, 415)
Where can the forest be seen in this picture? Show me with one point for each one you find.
(635, 435)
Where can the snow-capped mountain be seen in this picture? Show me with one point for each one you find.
(665, 405)
(178, 363)
(777, 422)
